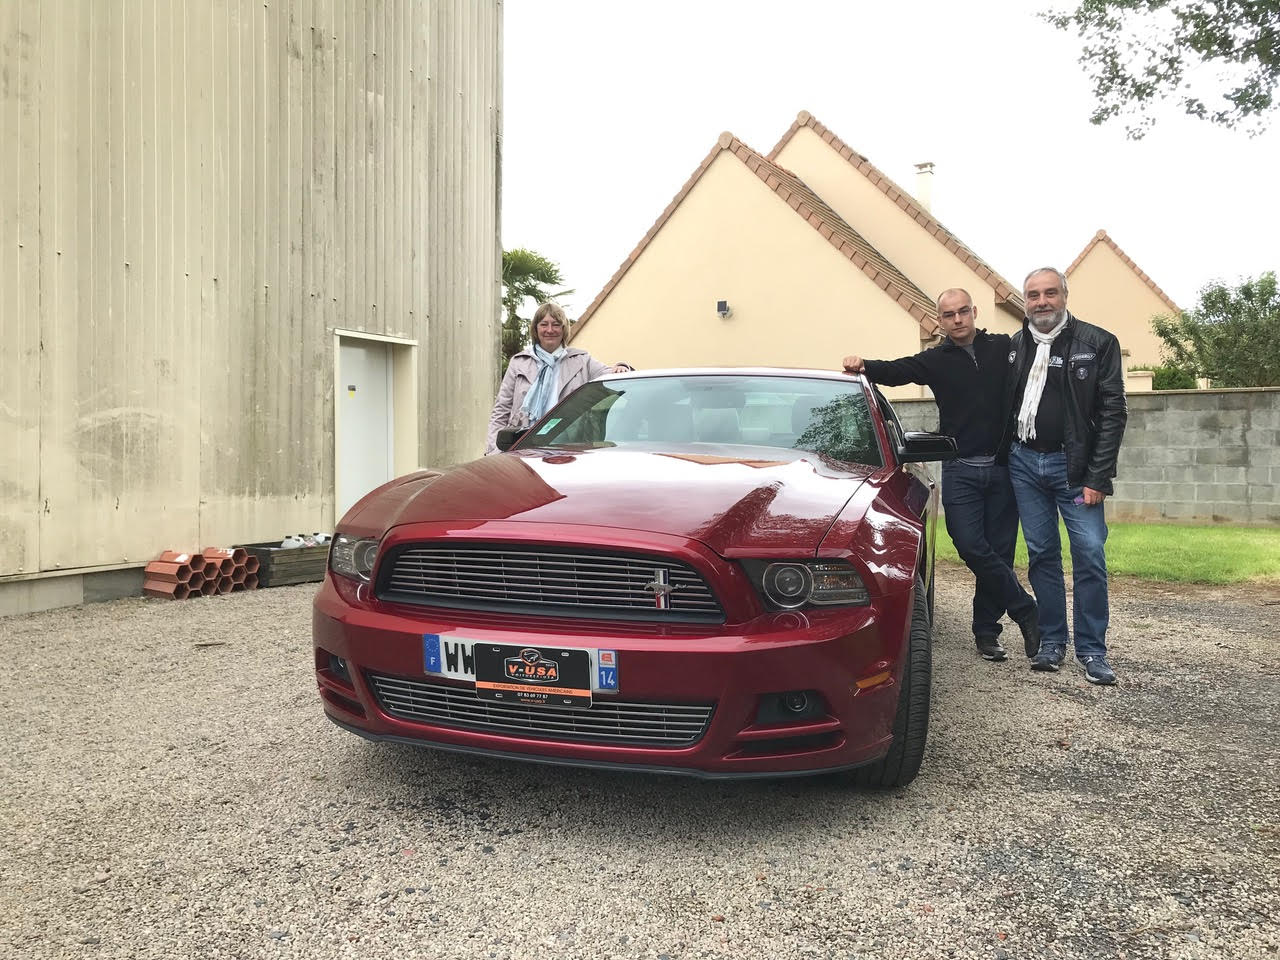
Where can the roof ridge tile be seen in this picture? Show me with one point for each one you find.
(1006, 294)
(1103, 237)
(795, 193)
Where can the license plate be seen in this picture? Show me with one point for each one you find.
(455, 657)
(540, 676)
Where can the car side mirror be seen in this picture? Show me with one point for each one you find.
(918, 447)
(508, 436)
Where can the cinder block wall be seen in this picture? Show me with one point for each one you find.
(1188, 455)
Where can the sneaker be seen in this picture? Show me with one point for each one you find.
(1097, 670)
(1030, 627)
(1048, 659)
(991, 649)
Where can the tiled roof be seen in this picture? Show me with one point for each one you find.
(1101, 237)
(1007, 294)
(809, 206)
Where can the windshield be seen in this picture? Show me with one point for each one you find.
(700, 412)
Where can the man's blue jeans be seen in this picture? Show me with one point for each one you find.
(982, 519)
(1040, 484)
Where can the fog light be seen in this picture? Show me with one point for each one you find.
(797, 701)
(790, 707)
(338, 667)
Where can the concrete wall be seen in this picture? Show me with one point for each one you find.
(1206, 456)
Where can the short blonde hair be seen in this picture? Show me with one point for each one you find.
(553, 311)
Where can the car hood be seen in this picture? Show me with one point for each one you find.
(735, 506)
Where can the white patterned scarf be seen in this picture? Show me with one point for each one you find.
(1036, 379)
(538, 400)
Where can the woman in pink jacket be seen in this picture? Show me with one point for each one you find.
(542, 374)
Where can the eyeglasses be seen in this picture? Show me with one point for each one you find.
(964, 313)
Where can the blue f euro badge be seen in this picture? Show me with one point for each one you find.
(431, 662)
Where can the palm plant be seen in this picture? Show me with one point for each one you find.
(526, 275)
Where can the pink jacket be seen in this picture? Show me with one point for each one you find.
(575, 369)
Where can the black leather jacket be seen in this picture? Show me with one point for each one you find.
(1095, 411)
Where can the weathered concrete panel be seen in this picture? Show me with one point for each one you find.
(194, 197)
(1209, 455)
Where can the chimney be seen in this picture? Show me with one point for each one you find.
(924, 184)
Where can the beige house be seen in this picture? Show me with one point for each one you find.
(244, 245)
(748, 265)
(816, 253)
(898, 224)
(865, 283)
(1107, 288)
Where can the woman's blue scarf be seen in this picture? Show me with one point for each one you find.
(538, 399)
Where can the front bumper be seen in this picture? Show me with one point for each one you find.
(851, 657)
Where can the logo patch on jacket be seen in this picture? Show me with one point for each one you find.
(1013, 355)
(1083, 356)
(1082, 373)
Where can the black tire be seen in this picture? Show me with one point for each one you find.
(899, 766)
(933, 579)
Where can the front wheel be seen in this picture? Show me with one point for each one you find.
(933, 582)
(899, 766)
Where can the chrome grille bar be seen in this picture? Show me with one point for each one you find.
(606, 721)
(534, 578)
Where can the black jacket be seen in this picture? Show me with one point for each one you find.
(970, 391)
(1094, 411)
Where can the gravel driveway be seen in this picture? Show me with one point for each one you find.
(171, 789)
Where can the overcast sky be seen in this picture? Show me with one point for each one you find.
(609, 107)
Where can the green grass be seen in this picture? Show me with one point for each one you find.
(1180, 554)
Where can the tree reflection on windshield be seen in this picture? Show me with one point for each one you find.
(841, 429)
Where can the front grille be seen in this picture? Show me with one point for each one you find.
(605, 721)
(552, 582)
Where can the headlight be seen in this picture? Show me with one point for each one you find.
(788, 585)
(791, 584)
(349, 557)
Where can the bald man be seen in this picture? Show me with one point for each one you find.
(967, 374)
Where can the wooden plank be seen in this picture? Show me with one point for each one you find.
(280, 566)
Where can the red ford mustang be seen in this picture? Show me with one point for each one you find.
(717, 572)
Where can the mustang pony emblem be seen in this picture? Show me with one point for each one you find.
(662, 588)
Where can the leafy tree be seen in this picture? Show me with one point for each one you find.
(526, 275)
(1172, 378)
(841, 429)
(1230, 337)
(1140, 52)
(1168, 377)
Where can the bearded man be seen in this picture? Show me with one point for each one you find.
(1067, 413)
